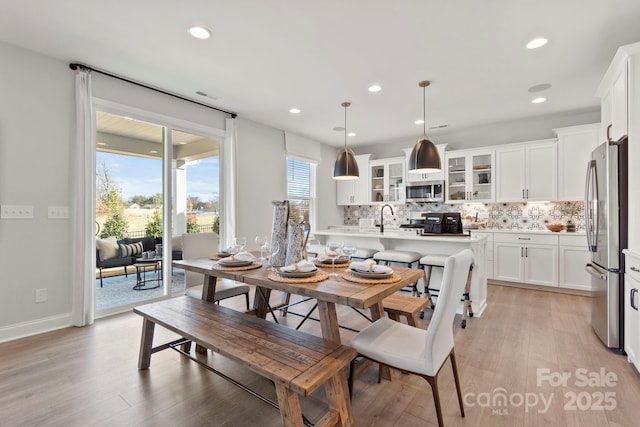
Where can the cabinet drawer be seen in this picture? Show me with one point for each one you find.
(539, 239)
(573, 240)
(632, 267)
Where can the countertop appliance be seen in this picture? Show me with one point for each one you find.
(428, 191)
(606, 227)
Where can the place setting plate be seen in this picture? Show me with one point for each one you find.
(371, 274)
(232, 263)
(339, 262)
(297, 274)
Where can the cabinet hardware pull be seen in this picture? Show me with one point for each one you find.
(527, 193)
(632, 268)
(524, 238)
(521, 251)
(523, 193)
(632, 298)
(526, 252)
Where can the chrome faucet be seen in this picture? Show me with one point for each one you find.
(382, 218)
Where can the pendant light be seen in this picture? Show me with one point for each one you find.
(424, 157)
(346, 166)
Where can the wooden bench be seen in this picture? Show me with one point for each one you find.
(397, 305)
(298, 363)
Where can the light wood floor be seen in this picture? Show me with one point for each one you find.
(88, 376)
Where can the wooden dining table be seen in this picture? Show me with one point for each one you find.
(328, 293)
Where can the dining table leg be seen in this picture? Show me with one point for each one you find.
(329, 321)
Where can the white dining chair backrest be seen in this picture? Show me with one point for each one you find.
(198, 245)
(439, 337)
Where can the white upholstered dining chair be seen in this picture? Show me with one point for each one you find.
(418, 351)
(203, 245)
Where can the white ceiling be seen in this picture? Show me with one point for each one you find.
(267, 56)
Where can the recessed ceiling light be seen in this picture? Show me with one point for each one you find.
(419, 122)
(375, 88)
(199, 32)
(536, 43)
(295, 111)
(351, 134)
(538, 100)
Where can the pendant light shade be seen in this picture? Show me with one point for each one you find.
(424, 157)
(346, 166)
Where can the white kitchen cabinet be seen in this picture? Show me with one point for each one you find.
(470, 176)
(574, 151)
(631, 313)
(387, 180)
(526, 258)
(527, 172)
(355, 191)
(573, 256)
(420, 177)
(613, 95)
(489, 250)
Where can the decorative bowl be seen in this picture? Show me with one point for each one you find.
(556, 227)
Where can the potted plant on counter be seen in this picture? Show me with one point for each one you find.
(571, 209)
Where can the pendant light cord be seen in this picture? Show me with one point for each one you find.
(345, 128)
(424, 112)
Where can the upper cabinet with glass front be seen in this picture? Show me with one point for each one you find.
(470, 176)
(387, 180)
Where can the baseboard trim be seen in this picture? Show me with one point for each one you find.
(569, 291)
(34, 327)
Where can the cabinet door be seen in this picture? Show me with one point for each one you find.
(480, 177)
(574, 151)
(508, 262)
(377, 174)
(541, 172)
(541, 265)
(619, 118)
(395, 181)
(345, 191)
(631, 320)
(572, 272)
(361, 185)
(456, 178)
(510, 182)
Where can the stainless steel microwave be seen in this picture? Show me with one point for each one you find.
(425, 192)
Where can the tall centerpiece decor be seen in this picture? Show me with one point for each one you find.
(572, 210)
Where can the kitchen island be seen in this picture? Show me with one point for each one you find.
(397, 239)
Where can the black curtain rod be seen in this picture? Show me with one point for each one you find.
(115, 76)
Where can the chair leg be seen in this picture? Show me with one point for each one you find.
(427, 282)
(246, 297)
(352, 367)
(433, 382)
(454, 365)
(467, 300)
(100, 276)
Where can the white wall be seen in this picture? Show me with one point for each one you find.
(37, 108)
(328, 212)
(526, 129)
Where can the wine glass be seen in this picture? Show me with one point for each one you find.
(240, 243)
(332, 250)
(349, 249)
(261, 241)
(275, 249)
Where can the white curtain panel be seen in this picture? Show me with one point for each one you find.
(82, 197)
(228, 196)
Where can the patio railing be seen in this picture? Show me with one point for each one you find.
(202, 228)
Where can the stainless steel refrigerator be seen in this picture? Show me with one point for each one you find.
(606, 226)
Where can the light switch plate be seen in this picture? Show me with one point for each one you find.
(16, 212)
(58, 212)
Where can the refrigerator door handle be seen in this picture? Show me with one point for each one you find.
(596, 271)
(591, 206)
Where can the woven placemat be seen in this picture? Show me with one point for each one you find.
(329, 265)
(318, 277)
(241, 268)
(346, 275)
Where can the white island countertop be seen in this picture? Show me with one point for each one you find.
(404, 240)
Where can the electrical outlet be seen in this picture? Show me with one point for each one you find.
(58, 212)
(41, 295)
(16, 212)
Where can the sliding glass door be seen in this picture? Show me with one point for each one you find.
(146, 169)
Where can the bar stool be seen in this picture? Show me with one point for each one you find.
(431, 261)
(401, 257)
(364, 253)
